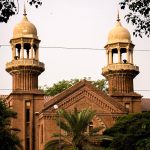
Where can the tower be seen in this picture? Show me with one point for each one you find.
(25, 68)
(120, 70)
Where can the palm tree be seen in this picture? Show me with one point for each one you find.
(74, 124)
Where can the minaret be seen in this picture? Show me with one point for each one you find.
(25, 68)
(120, 69)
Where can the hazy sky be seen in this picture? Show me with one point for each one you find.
(74, 24)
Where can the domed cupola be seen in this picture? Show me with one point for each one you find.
(119, 34)
(120, 70)
(25, 28)
(25, 66)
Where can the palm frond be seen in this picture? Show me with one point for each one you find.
(66, 138)
(74, 123)
(64, 125)
(54, 144)
(106, 137)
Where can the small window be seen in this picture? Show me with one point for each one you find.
(28, 104)
(127, 105)
(90, 126)
(27, 115)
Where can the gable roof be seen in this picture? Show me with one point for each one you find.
(82, 87)
(3, 97)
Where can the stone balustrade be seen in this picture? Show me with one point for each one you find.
(25, 62)
(120, 67)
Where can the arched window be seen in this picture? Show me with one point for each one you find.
(17, 53)
(115, 55)
(27, 51)
(89, 128)
(123, 55)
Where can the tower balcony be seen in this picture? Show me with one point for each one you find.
(120, 77)
(119, 67)
(25, 73)
(25, 63)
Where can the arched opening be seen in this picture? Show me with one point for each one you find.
(90, 126)
(17, 51)
(123, 52)
(27, 51)
(115, 55)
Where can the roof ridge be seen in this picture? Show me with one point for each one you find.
(81, 84)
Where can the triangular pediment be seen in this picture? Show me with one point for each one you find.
(84, 95)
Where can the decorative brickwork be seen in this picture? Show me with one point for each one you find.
(25, 68)
(36, 113)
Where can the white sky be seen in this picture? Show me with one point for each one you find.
(73, 24)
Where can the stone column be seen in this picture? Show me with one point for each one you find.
(32, 50)
(13, 52)
(110, 57)
(22, 50)
(107, 54)
(131, 56)
(119, 56)
(128, 56)
(37, 53)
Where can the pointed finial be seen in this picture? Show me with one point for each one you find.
(118, 17)
(24, 12)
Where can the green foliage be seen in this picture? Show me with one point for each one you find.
(9, 8)
(131, 132)
(74, 124)
(65, 84)
(138, 15)
(60, 86)
(101, 84)
(8, 136)
(35, 2)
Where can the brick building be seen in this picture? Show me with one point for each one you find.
(36, 111)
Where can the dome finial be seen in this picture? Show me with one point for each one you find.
(24, 12)
(118, 17)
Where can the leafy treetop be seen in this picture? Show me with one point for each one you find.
(9, 8)
(138, 15)
(65, 84)
(131, 132)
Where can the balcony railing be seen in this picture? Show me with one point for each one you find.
(25, 62)
(120, 67)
